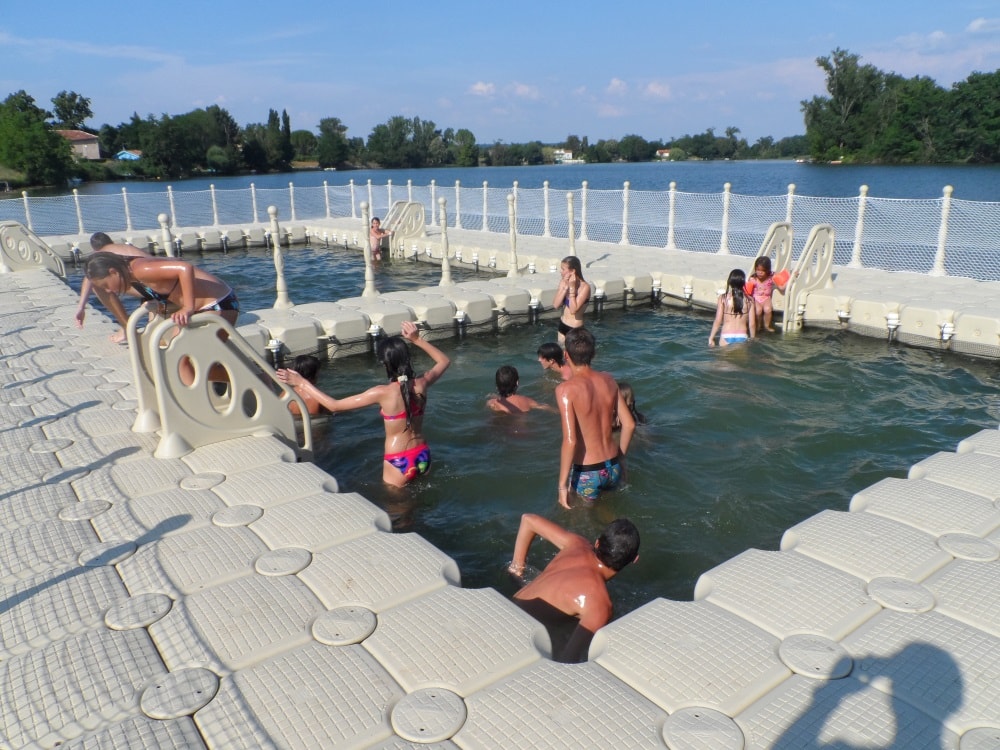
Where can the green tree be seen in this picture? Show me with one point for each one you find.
(332, 147)
(466, 150)
(304, 144)
(71, 110)
(975, 104)
(28, 143)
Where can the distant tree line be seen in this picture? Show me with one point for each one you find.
(876, 117)
(869, 116)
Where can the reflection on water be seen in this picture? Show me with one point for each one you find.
(741, 443)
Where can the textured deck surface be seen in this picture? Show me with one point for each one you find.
(236, 599)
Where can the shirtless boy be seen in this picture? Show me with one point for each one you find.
(551, 357)
(592, 458)
(102, 243)
(509, 400)
(574, 583)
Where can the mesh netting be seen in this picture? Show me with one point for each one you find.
(918, 235)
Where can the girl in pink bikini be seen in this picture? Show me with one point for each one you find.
(402, 401)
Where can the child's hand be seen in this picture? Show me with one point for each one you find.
(410, 331)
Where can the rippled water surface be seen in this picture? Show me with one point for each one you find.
(741, 443)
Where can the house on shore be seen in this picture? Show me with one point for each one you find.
(128, 154)
(85, 145)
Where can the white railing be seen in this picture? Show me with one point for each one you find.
(942, 236)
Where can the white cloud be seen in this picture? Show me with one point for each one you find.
(984, 26)
(617, 87)
(658, 90)
(481, 88)
(524, 91)
(610, 110)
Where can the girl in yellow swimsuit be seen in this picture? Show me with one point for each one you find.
(401, 402)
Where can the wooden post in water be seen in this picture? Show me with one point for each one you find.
(281, 302)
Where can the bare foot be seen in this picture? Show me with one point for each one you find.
(770, 329)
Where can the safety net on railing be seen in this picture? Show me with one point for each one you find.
(917, 235)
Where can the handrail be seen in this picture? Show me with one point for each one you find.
(23, 250)
(813, 270)
(147, 417)
(192, 414)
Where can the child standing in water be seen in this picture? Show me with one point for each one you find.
(761, 286)
(510, 401)
(376, 235)
(735, 313)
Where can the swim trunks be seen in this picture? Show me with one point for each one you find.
(588, 480)
(735, 338)
(412, 462)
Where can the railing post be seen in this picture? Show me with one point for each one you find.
(369, 290)
(215, 207)
(79, 213)
(388, 194)
(326, 197)
(354, 211)
(790, 202)
(433, 203)
(624, 239)
(165, 236)
(445, 264)
(545, 201)
(583, 211)
(672, 217)
(512, 221)
(571, 229)
(371, 205)
(486, 205)
(281, 302)
(409, 191)
(859, 229)
(458, 204)
(514, 190)
(128, 215)
(27, 210)
(291, 198)
(173, 211)
(724, 241)
(253, 199)
(939, 269)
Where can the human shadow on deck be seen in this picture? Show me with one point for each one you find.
(73, 472)
(45, 419)
(919, 679)
(107, 556)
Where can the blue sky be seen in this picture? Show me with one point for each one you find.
(511, 71)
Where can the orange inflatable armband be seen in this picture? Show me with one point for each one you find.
(781, 278)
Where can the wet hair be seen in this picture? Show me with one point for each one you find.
(507, 378)
(580, 346)
(763, 262)
(574, 265)
(307, 366)
(618, 544)
(551, 350)
(395, 355)
(99, 240)
(737, 280)
(99, 265)
(374, 219)
(628, 394)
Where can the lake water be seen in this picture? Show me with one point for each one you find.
(978, 183)
(741, 443)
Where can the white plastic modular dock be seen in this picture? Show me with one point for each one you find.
(234, 598)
